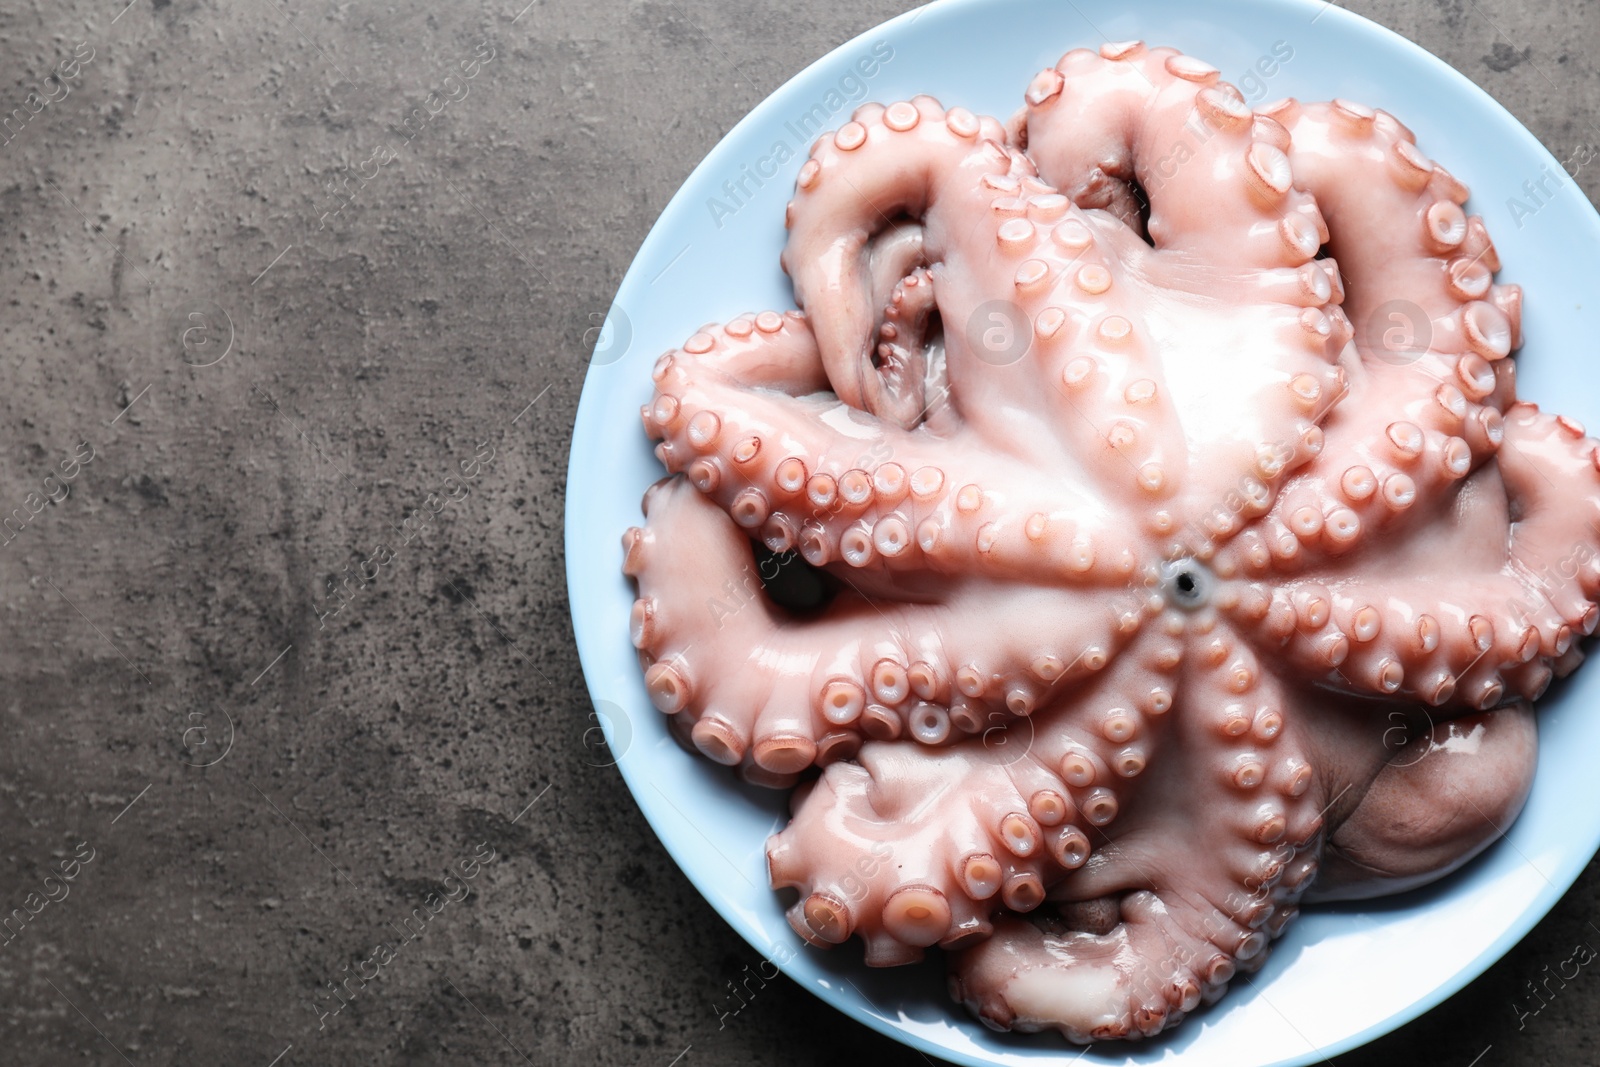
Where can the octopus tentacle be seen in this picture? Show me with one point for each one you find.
(1555, 541)
(842, 487)
(989, 822)
(1183, 921)
(1429, 384)
(908, 852)
(1087, 337)
(1220, 186)
(1501, 623)
(909, 159)
(932, 674)
(1398, 231)
(1226, 220)
(1032, 976)
(1393, 442)
(843, 231)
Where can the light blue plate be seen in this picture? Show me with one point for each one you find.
(1340, 977)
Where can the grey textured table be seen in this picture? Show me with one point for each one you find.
(267, 778)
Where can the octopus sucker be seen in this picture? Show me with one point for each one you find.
(1110, 668)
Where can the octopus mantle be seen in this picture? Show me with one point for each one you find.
(1168, 587)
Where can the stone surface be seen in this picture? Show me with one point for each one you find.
(400, 278)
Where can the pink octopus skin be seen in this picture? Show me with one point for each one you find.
(1200, 605)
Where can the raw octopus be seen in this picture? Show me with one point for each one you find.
(1162, 588)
